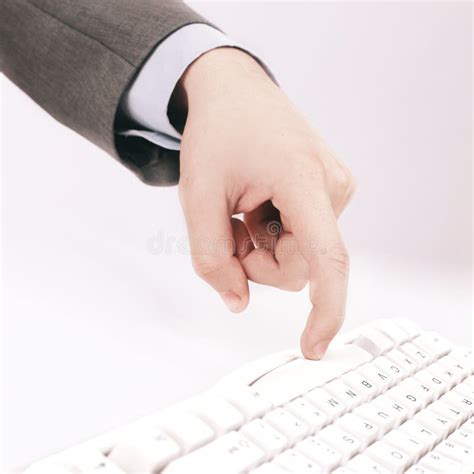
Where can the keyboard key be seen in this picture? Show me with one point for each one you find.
(445, 410)
(293, 461)
(341, 441)
(189, 430)
(269, 468)
(464, 388)
(442, 373)
(457, 413)
(364, 464)
(231, 453)
(350, 397)
(388, 456)
(393, 408)
(305, 410)
(344, 470)
(360, 383)
(421, 356)
(463, 437)
(469, 426)
(438, 462)
(411, 328)
(382, 380)
(454, 450)
(405, 395)
(459, 370)
(331, 405)
(464, 356)
(146, 450)
(395, 371)
(300, 376)
(292, 427)
(421, 433)
(409, 445)
(433, 343)
(441, 425)
(469, 381)
(459, 402)
(420, 469)
(437, 385)
(403, 361)
(218, 413)
(423, 392)
(248, 401)
(374, 342)
(78, 460)
(323, 454)
(265, 436)
(363, 430)
(381, 418)
(392, 330)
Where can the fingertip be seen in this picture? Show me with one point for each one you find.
(307, 344)
(310, 355)
(234, 302)
(314, 350)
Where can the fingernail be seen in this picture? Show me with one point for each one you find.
(320, 349)
(232, 300)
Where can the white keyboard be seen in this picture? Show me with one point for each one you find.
(386, 398)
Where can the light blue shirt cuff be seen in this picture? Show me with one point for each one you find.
(146, 102)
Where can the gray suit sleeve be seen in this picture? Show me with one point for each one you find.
(76, 58)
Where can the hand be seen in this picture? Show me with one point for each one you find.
(246, 149)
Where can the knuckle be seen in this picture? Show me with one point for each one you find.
(351, 190)
(339, 260)
(343, 180)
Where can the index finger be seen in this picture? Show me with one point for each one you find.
(306, 206)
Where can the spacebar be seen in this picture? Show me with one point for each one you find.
(301, 375)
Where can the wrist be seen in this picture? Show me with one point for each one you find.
(218, 73)
(221, 67)
(220, 76)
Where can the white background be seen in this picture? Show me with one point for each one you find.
(98, 330)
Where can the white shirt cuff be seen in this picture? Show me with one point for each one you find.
(146, 102)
